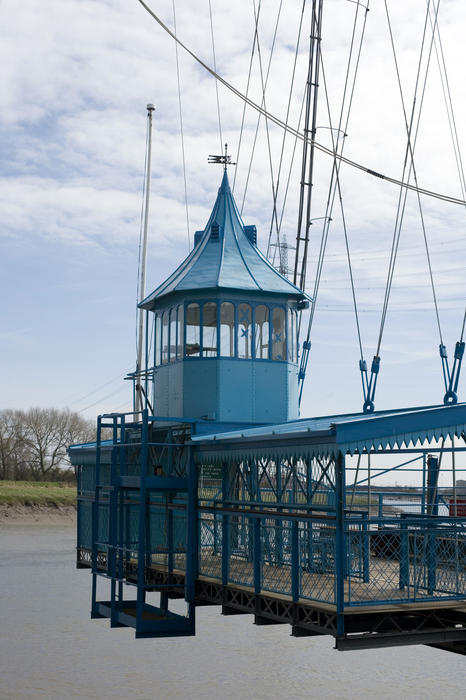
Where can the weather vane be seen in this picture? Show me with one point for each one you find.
(225, 159)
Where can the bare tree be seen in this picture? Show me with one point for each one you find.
(12, 450)
(35, 442)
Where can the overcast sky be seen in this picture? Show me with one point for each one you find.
(76, 78)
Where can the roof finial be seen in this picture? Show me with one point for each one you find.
(223, 160)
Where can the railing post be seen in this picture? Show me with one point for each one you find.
(112, 523)
(192, 539)
(141, 591)
(404, 553)
(95, 518)
(340, 569)
(225, 527)
(257, 555)
(366, 548)
(295, 560)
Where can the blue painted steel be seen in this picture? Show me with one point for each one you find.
(229, 261)
(192, 549)
(369, 385)
(380, 430)
(170, 502)
(340, 563)
(451, 378)
(257, 385)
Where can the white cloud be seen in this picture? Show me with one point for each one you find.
(76, 77)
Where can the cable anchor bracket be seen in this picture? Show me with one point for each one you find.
(369, 385)
(451, 377)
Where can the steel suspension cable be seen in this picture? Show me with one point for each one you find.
(180, 108)
(263, 103)
(290, 95)
(336, 164)
(449, 105)
(333, 187)
(216, 82)
(409, 154)
(245, 102)
(290, 170)
(279, 122)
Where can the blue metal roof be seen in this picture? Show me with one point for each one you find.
(225, 260)
(351, 432)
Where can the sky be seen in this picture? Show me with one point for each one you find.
(76, 78)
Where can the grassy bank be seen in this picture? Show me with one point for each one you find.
(37, 493)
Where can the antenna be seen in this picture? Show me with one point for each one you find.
(142, 287)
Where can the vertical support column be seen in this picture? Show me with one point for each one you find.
(257, 554)
(365, 548)
(112, 523)
(340, 568)
(225, 527)
(192, 538)
(404, 554)
(433, 468)
(309, 527)
(95, 518)
(295, 560)
(122, 553)
(423, 496)
(170, 537)
(141, 591)
(278, 521)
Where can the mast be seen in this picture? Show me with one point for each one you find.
(307, 166)
(142, 281)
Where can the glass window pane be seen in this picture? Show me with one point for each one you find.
(261, 316)
(278, 333)
(193, 346)
(227, 329)
(244, 331)
(295, 336)
(165, 327)
(158, 340)
(172, 335)
(291, 336)
(209, 334)
(179, 347)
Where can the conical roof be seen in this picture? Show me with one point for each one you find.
(225, 258)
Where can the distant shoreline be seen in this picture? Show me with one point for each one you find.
(16, 514)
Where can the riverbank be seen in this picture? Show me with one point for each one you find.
(37, 515)
(41, 503)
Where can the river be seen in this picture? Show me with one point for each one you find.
(49, 647)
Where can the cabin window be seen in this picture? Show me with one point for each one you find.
(244, 331)
(179, 342)
(209, 332)
(172, 347)
(165, 336)
(193, 330)
(227, 329)
(291, 336)
(158, 340)
(278, 334)
(261, 318)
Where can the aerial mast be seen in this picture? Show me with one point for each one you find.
(142, 280)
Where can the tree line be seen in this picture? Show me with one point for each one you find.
(33, 443)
